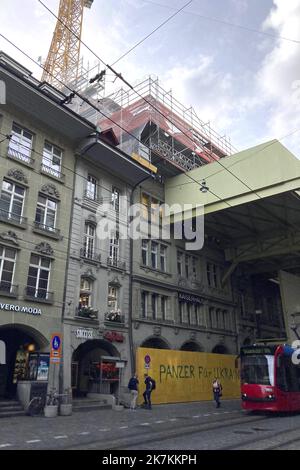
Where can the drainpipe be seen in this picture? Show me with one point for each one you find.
(130, 331)
(61, 370)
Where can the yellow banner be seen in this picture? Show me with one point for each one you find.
(183, 376)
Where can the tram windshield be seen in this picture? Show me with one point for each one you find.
(257, 369)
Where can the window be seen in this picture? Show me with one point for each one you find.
(7, 268)
(38, 277)
(20, 145)
(212, 278)
(145, 245)
(12, 201)
(85, 293)
(181, 312)
(194, 266)
(154, 255)
(189, 317)
(112, 301)
(144, 304)
(114, 249)
(52, 159)
(163, 307)
(89, 241)
(45, 216)
(146, 206)
(115, 199)
(154, 305)
(179, 263)
(91, 190)
(220, 323)
(163, 265)
(211, 314)
(187, 262)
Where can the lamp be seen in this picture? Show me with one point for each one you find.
(203, 187)
(31, 347)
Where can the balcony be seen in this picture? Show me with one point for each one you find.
(89, 255)
(87, 313)
(20, 157)
(93, 198)
(114, 318)
(9, 290)
(12, 218)
(116, 263)
(46, 230)
(38, 295)
(51, 171)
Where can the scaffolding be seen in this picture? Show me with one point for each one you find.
(165, 128)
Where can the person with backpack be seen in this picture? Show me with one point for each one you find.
(217, 391)
(133, 389)
(150, 386)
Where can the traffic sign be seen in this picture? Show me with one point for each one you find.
(56, 344)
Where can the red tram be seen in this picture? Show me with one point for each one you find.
(270, 378)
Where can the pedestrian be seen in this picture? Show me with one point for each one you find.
(217, 391)
(133, 388)
(150, 386)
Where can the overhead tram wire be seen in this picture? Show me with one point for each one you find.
(96, 108)
(228, 23)
(118, 75)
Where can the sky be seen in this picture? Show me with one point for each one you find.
(245, 83)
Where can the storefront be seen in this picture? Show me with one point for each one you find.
(94, 368)
(22, 358)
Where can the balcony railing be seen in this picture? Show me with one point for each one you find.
(6, 288)
(16, 219)
(114, 317)
(39, 295)
(48, 229)
(86, 312)
(116, 263)
(20, 157)
(49, 170)
(92, 197)
(90, 255)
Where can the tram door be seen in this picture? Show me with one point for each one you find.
(290, 296)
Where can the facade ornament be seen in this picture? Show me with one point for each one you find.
(50, 190)
(44, 249)
(115, 282)
(18, 175)
(88, 274)
(136, 325)
(176, 331)
(92, 219)
(10, 237)
(193, 335)
(157, 330)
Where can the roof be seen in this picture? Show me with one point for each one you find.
(258, 172)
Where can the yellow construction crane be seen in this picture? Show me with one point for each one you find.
(63, 58)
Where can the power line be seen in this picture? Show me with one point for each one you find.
(228, 23)
(152, 32)
(148, 102)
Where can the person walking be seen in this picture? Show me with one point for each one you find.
(150, 386)
(133, 389)
(217, 391)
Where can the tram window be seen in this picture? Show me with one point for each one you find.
(288, 375)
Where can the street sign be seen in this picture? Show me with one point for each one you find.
(56, 344)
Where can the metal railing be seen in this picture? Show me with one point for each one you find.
(86, 312)
(116, 263)
(47, 228)
(42, 295)
(90, 255)
(9, 289)
(49, 170)
(12, 217)
(15, 155)
(114, 317)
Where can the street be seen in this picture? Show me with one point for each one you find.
(198, 426)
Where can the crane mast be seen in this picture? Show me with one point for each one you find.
(62, 64)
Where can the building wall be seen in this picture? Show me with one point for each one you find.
(27, 239)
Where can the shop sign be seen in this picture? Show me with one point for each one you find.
(22, 309)
(84, 333)
(114, 336)
(192, 299)
(120, 365)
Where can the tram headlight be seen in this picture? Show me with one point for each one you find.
(244, 396)
(271, 397)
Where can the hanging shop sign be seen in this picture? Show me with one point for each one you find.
(21, 309)
(84, 333)
(114, 336)
(192, 299)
